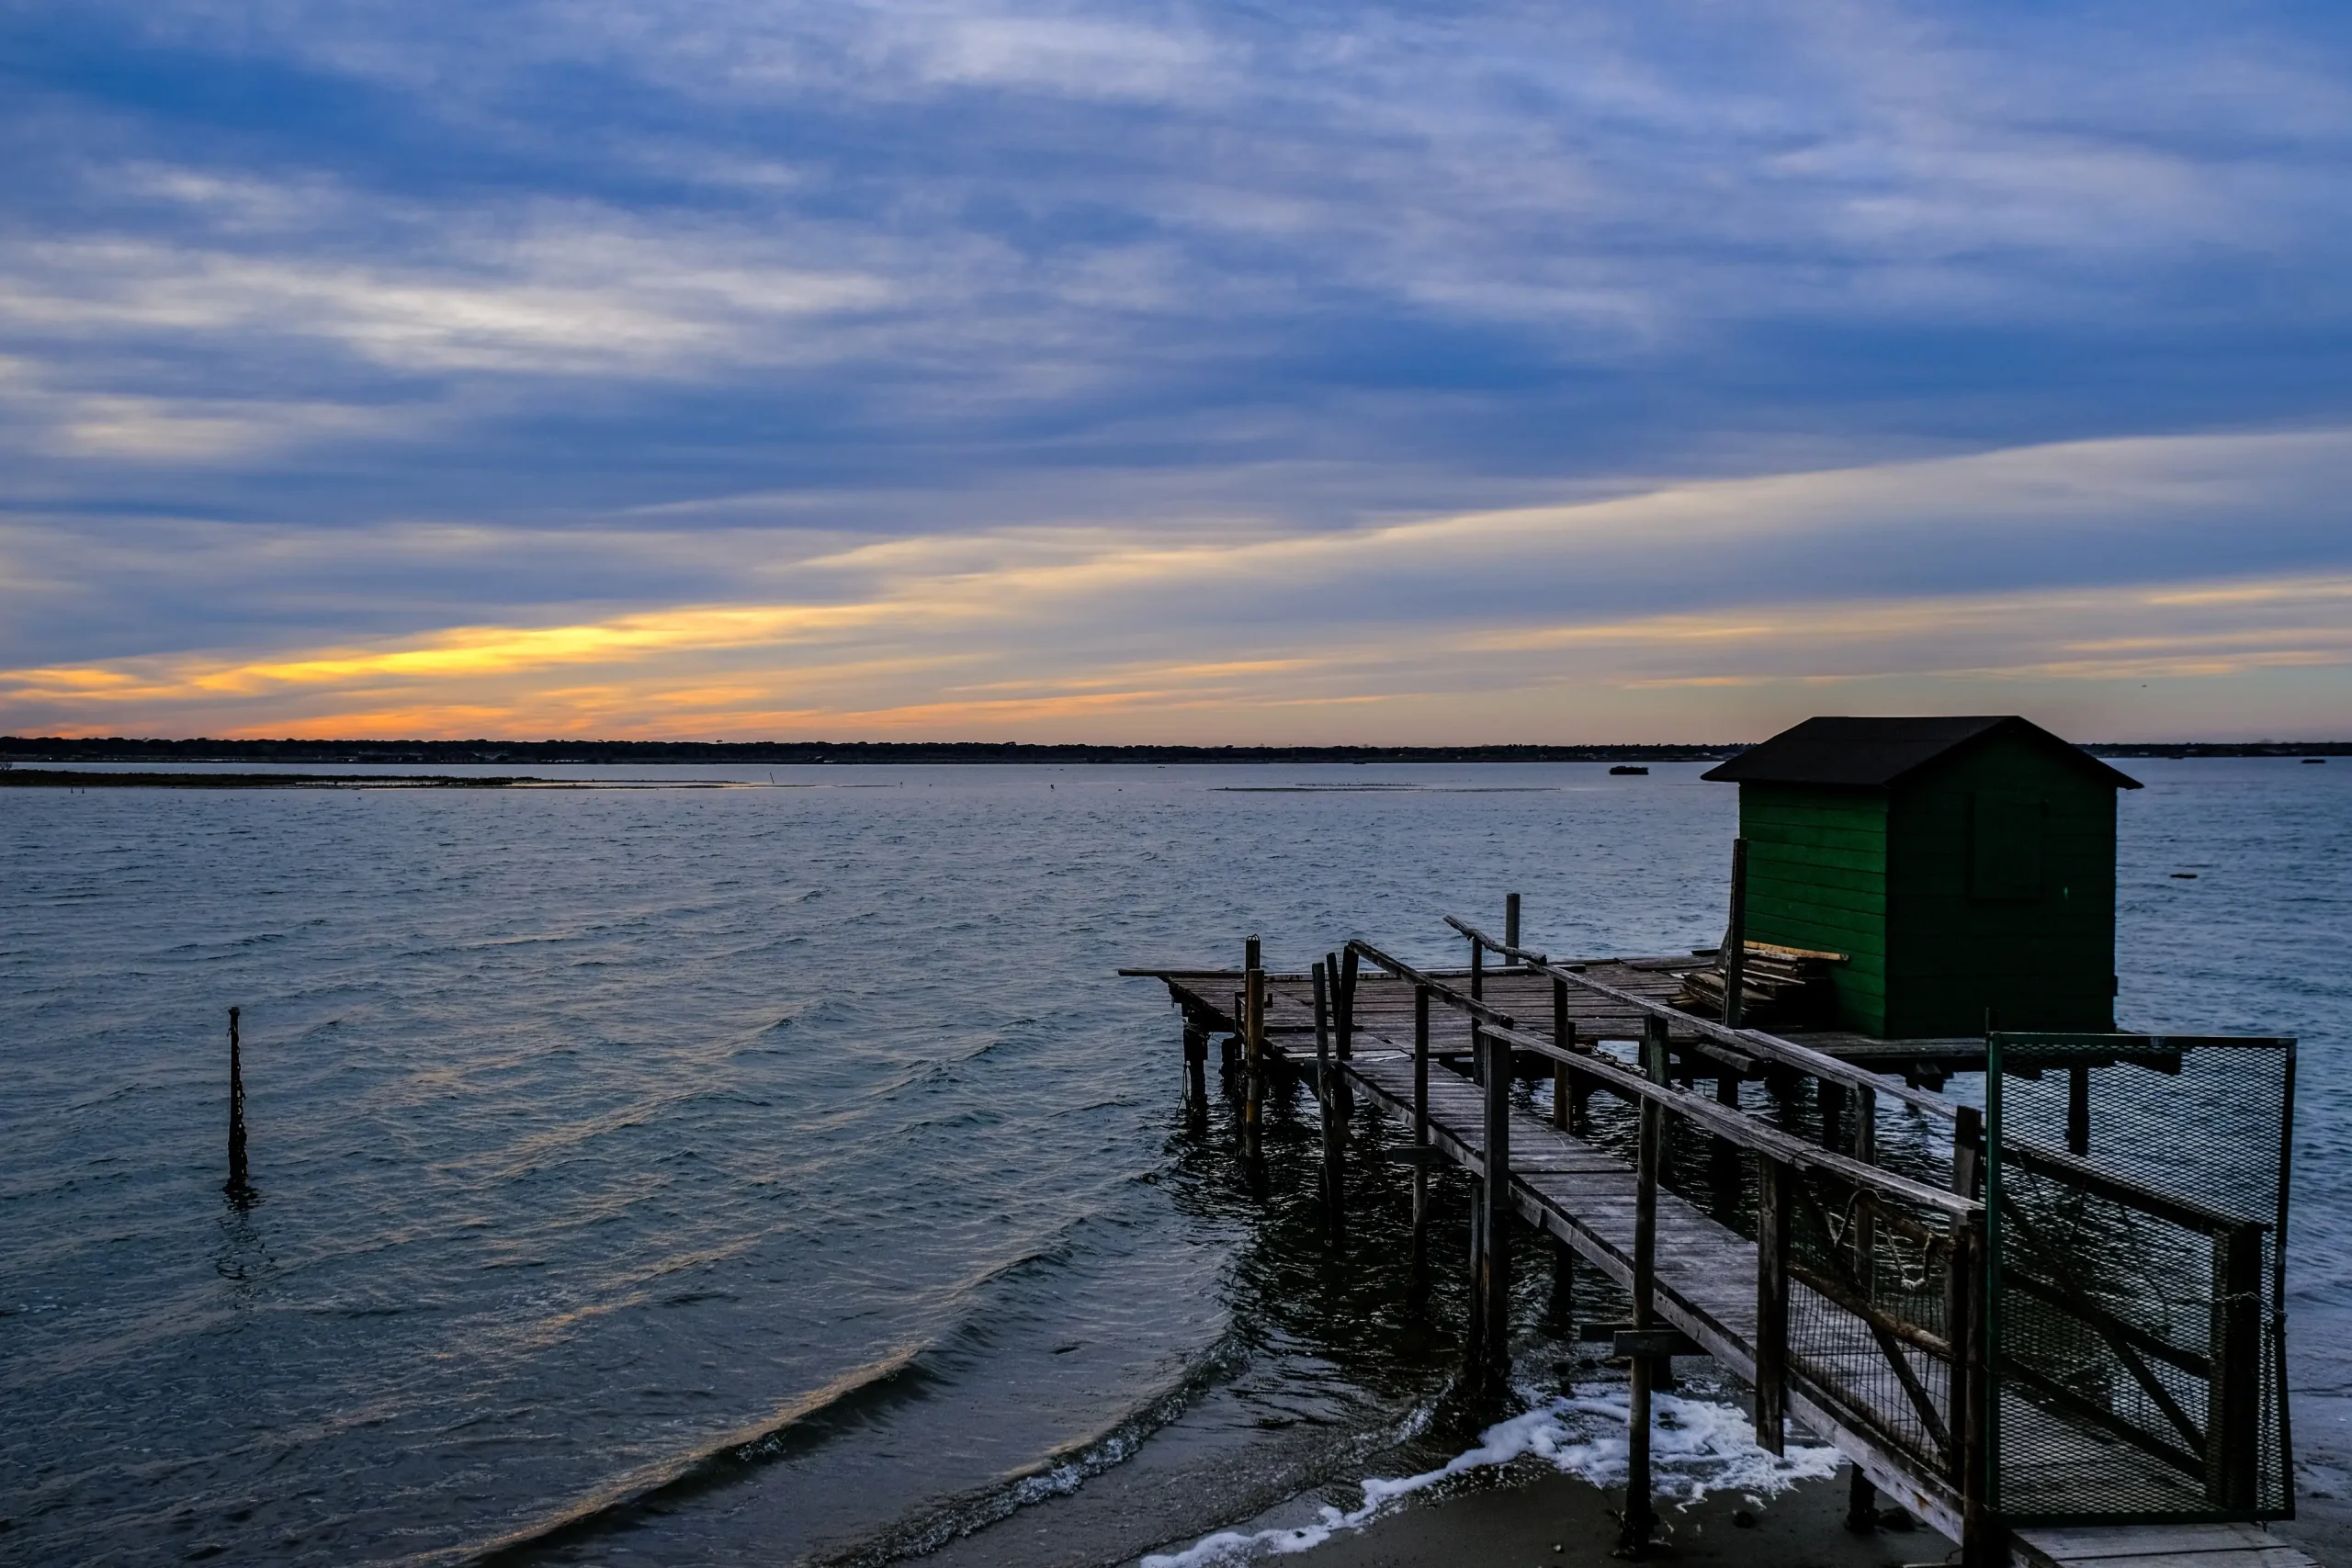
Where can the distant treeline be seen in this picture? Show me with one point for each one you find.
(725, 752)
(117, 749)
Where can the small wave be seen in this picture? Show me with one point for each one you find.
(1698, 1447)
(808, 1421)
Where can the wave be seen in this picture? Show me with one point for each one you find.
(807, 1422)
(1698, 1447)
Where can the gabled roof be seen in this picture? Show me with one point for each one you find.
(1875, 752)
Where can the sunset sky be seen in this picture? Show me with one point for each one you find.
(1199, 372)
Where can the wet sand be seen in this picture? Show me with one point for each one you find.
(1560, 1520)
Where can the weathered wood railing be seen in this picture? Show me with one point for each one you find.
(1893, 1200)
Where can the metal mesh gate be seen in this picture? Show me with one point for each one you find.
(2137, 1193)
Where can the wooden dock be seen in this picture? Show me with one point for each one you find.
(1828, 1327)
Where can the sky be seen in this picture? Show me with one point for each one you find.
(1218, 373)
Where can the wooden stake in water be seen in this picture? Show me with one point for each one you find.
(1511, 927)
(237, 1185)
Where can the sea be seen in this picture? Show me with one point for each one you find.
(782, 1173)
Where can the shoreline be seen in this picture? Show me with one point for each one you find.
(1531, 1514)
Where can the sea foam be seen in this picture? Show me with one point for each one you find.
(1696, 1447)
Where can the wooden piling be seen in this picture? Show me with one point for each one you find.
(237, 1185)
(1510, 928)
(1343, 1031)
(1197, 1068)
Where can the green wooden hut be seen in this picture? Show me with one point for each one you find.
(1959, 864)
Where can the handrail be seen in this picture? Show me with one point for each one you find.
(1754, 1042)
(1735, 1126)
(2181, 1210)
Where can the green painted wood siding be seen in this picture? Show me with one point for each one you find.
(1987, 881)
(2036, 944)
(1816, 878)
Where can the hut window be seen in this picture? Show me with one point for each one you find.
(2005, 846)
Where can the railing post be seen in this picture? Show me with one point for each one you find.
(1734, 954)
(1326, 1093)
(1420, 1122)
(1967, 1320)
(1344, 1033)
(1774, 1204)
(1494, 1262)
(1253, 1045)
(1563, 1036)
(1640, 1518)
(1511, 927)
(2233, 1401)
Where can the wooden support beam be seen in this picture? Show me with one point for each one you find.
(1253, 1047)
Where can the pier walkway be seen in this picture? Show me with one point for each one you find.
(1857, 1304)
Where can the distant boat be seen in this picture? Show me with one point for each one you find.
(1624, 768)
(2308, 761)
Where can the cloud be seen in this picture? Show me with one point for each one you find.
(332, 330)
(1713, 588)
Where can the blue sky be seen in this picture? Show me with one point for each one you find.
(1172, 372)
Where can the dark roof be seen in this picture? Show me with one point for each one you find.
(1875, 752)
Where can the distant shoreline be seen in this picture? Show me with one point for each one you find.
(772, 754)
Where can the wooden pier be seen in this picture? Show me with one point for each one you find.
(1858, 1303)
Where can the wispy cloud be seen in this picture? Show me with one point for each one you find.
(505, 361)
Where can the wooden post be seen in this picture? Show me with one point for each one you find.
(1641, 1518)
(1343, 974)
(1196, 1067)
(1775, 1202)
(1421, 1120)
(237, 1185)
(1734, 954)
(1563, 1036)
(1866, 1223)
(1494, 1193)
(1327, 1092)
(1965, 1323)
(1511, 927)
(1862, 1502)
(1477, 992)
(2233, 1400)
(1253, 1045)
(2078, 1111)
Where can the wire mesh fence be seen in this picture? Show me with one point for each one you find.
(2136, 1191)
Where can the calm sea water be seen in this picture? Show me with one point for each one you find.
(781, 1175)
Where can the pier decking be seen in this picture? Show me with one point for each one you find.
(1893, 1375)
